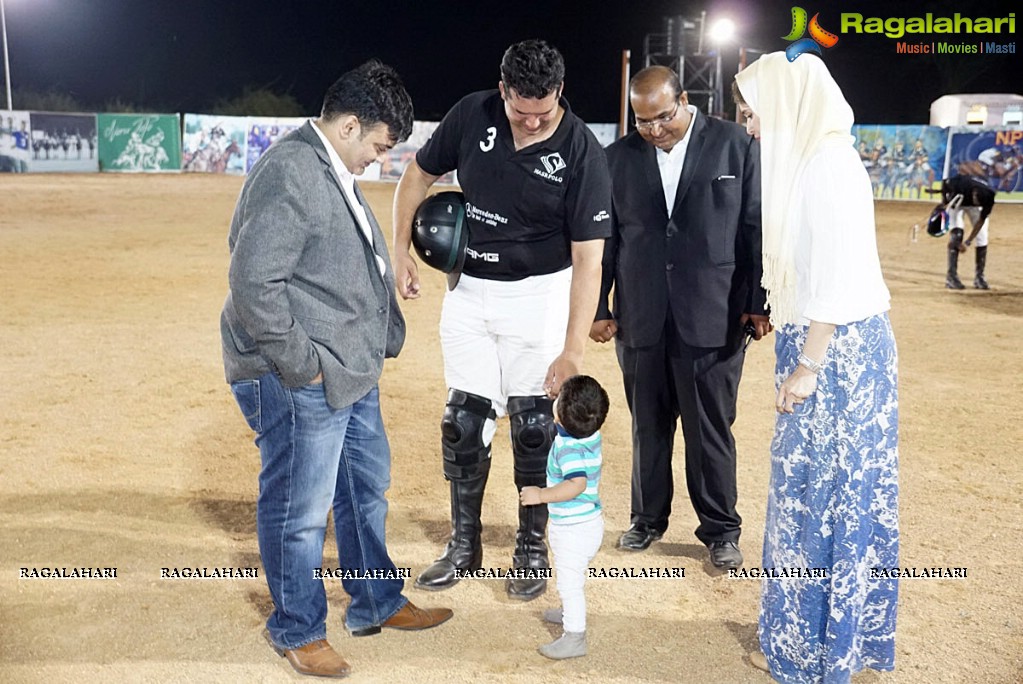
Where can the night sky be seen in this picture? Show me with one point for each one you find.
(184, 55)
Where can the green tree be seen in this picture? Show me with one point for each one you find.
(45, 101)
(259, 102)
(119, 106)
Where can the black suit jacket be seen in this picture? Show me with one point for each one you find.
(704, 261)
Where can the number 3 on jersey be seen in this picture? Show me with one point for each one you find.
(488, 145)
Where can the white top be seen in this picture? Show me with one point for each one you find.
(838, 273)
(348, 185)
(809, 208)
(670, 163)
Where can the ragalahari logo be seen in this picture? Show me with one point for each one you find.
(818, 36)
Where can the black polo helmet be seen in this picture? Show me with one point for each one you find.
(937, 222)
(440, 233)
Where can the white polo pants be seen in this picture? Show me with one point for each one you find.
(499, 337)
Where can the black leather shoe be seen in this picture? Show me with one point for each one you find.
(725, 554)
(639, 538)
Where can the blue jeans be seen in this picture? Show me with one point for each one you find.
(314, 459)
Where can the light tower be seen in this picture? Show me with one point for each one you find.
(693, 49)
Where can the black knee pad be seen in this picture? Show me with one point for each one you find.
(532, 433)
(955, 238)
(461, 431)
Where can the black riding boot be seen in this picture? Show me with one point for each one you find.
(951, 278)
(533, 431)
(530, 555)
(978, 280)
(464, 551)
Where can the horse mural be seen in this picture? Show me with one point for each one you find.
(920, 176)
(143, 156)
(209, 160)
(1003, 176)
(892, 179)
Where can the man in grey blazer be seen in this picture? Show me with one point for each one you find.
(309, 319)
(684, 260)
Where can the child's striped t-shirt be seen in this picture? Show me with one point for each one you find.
(570, 457)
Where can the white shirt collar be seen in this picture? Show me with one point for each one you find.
(346, 176)
(670, 163)
(347, 179)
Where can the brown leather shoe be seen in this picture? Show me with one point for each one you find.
(412, 617)
(317, 659)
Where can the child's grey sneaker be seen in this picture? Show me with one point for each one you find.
(553, 615)
(568, 645)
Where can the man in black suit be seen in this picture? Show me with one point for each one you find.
(684, 259)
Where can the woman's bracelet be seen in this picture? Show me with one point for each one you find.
(809, 364)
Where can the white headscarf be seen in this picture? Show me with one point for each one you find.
(800, 106)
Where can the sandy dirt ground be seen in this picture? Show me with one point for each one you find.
(122, 447)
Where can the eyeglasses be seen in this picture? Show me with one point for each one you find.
(663, 121)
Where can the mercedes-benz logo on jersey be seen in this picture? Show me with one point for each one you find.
(552, 163)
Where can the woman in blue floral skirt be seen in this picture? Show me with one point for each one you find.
(833, 501)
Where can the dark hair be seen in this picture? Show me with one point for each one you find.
(532, 69)
(653, 78)
(375, 94)
(582, 406)
(737, 95)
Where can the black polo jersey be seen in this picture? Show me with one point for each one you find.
(975, 192)
(523, 207)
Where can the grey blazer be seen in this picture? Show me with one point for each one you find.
(306, 295)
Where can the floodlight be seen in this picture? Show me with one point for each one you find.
(722, 31)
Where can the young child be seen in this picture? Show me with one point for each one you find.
(577, 522)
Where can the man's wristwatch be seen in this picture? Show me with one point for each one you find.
(809, 364)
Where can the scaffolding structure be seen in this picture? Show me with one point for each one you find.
(681, 47)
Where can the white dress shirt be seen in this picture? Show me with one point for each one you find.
(348, 186)
(670, 163)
